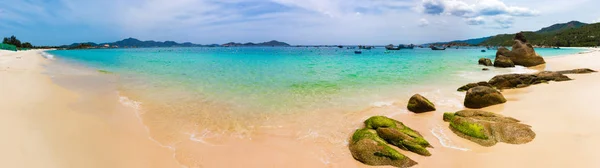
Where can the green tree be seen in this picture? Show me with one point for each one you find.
(27, 45)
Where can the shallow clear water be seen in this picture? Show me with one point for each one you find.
(280, 79)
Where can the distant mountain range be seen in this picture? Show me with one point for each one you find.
(135, 43)
(571, 34)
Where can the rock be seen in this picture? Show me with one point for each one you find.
(487, 129)
(577, 71)
(370, 149)
(420, 104)
(398, 134)
(550, 76)
(522, 53)
(503, 62)
(472, 85)
(519, 36)
(483, 96)
(523, 80)
(485, 69)
(485, 61)
(511, 80)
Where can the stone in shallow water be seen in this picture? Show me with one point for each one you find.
(487, 128)
(485, 61)
(420, 104)
(472, 85)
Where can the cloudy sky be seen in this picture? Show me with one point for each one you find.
(55, 22)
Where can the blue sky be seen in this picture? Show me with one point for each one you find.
(56, 22)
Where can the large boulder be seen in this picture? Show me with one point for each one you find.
(522, 53)
(483, 96)
(472, 85)
(485, 61)
(487, 129)
(503, 62)
(420, 104)
(398, 134)
(577, 71)
(370, 149)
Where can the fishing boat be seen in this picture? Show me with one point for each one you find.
(482, 50)
(437, 48)
(357, 52)
(391, 47)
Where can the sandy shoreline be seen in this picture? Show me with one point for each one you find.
(57, 127)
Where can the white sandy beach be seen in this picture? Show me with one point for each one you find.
(42, 128)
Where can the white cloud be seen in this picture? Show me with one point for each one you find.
(475, 20)
(475, 13)
(423, 22)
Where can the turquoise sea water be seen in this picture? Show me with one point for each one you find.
(203, 86)
(281, 79)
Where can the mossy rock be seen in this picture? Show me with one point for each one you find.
(420, 104)
(368, 148)
(483, 96)
(104, 71)
(398, 134)
(487, 129)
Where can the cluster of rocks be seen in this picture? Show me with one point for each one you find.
(372, 145)
(487, 128)
(522, 54)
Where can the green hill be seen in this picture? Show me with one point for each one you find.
(562, 35)
(561, 27)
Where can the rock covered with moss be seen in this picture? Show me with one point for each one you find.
(370, 149)
(483, 96)
(487, 128)
(420, 104)
(370, 145)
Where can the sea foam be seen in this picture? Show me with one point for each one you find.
(47, 56)
(444, 140)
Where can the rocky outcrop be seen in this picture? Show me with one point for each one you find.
(487, 129)
(577, 71)
(370, 145)
(523, 80)
(483, 96)
(522, 53)
(420, 104)
(503, 62)
(370, 149)
(472, 85)
(485, 61)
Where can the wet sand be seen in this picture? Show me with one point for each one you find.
(47, 125)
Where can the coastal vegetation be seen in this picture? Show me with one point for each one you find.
(12, 43)
(572, 34)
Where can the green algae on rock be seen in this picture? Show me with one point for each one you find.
(368, 148)
(420, 104)
(487, 128)
(398, 134)
(371, 145)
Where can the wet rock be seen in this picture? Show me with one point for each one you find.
(472, 85)
(523, 80)
(487, 129)
(503, 62)
(485, 61)
(483, 96)
(577, 71)
(485, 69)
(420, 104)
(367, 147)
